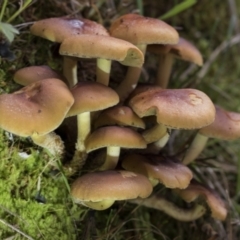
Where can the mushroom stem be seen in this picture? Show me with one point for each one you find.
(84, 128)
(196, 147)
(103, 71)
(159, 203)
(70, 70)
(157, 135)
(130, 81)
(111, 158)
(51, 142)
(80, 155)
(164, 70)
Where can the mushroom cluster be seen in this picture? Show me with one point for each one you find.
(121, 130)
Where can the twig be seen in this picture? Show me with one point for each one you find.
(228, 43)
(15, 229)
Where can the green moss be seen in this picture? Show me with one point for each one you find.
(53, 219)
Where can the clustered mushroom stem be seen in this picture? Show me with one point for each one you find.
(196, 147)
(131, 79)
(111, 160)
(103, 71)
(164, 70)
(70, 70)
(51, 141)
(84, 128)
(185, 215)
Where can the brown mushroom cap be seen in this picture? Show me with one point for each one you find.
(215, 203)
(91, 96)
(38, 108)
(98, 187)
(225, 126)
(143, 30)
(119, 115)
(97, 46)
(59, 28)
(27, 75)
(169, 172)
(175, 108)
(183, 50)
(114, 136)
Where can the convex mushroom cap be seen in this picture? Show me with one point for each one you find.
(226, 125)
(38, 108)
(105, 47)
(59, 28)
(175, 108)
(27, 75)
(169, 172)
(119, 115)
(99, 190)
(137, 29)
(183, 50)
(113, 136)
(91, 96)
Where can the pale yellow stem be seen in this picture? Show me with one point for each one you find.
(111, 158)
(103, 71)
(195, 148)
(70, 70)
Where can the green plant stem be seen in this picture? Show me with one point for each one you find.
(3, 9)
(25, 5)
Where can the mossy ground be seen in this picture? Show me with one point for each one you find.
(22, 215)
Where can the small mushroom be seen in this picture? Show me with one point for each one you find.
(196, 190)
(183, 50)
(170, 172)
(119, 115)
(226, 126)
(113, 138)
(27, 75)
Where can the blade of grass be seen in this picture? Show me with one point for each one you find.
(178, 8)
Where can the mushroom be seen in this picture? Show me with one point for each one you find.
(105, 49)
(35, 111)
(174, 108)
(59, 28)
(99, 190)
(183, 50)
(168, 171)
(88, 97)
(197, 190)
(113, 138)
(140, 31)
(27, 75)
(119, 115)
(162, 204)
(226, 126)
